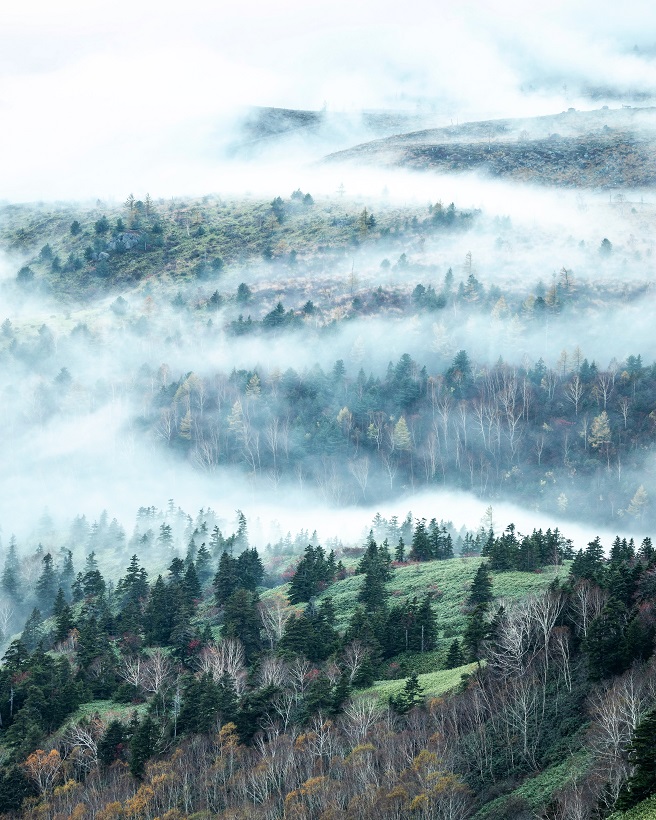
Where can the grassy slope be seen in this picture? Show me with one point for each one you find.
(449, 582)
(433, 683)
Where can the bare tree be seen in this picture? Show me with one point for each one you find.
(355, 653)
(574, 392)
(274, 613)
(604, 386)
(273, 672)
(585, 604)
(359, 469)
(360, 715)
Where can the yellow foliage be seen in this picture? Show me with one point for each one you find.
(111, 811)
(228, 735)
(304, 738)
(137, 804)
(359, 750)
(68, 787)
(314, 785)
(79, 811)
(420, 802)
(425, 760)
(448, 783)
(397, 792)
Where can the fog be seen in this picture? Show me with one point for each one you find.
(146, 98)
(176, 105)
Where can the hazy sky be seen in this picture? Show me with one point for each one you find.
(99, 100)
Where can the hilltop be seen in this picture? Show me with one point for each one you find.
(599, 149)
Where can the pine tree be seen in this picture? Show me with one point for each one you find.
(63, 617)
(476, 632)
(67, 573)
(133, 587)
(242, 620)
(203, 565)
(250, 570)
(142, 746)
(421, 547)
(33, 630)
(158, 615)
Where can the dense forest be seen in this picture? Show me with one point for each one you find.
(205, 687)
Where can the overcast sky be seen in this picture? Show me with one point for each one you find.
(100, 99)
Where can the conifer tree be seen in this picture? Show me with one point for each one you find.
(46, 585)
(10, 581)
(481, 588)
(642, 755)
(455, 657)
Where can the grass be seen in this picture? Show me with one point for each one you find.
(433, 683)
(107, 710)
(449, 583)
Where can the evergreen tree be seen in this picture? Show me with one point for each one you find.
(112, 745)
(481, 588)
(46, 585)
(455, 657)
(250, 570)
(133, 587)
(158, 615)
(226, 579)
(476, 632)
(63, 617)
(421, 546)
(411, 695)
(33, 630)
(642, 755)
(10, 581)
(241, 619)
(67, 573)
(203, 565)
(142, 746)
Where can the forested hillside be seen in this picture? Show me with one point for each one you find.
(200, 685)
(341, 348)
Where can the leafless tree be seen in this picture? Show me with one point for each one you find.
(604, 386)
(131, 670)
(273, 672)
(360, 715)
(585, 604)
(359, 469)
(156, 671)
(355, 654)
(274, 613)
(574, 392)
